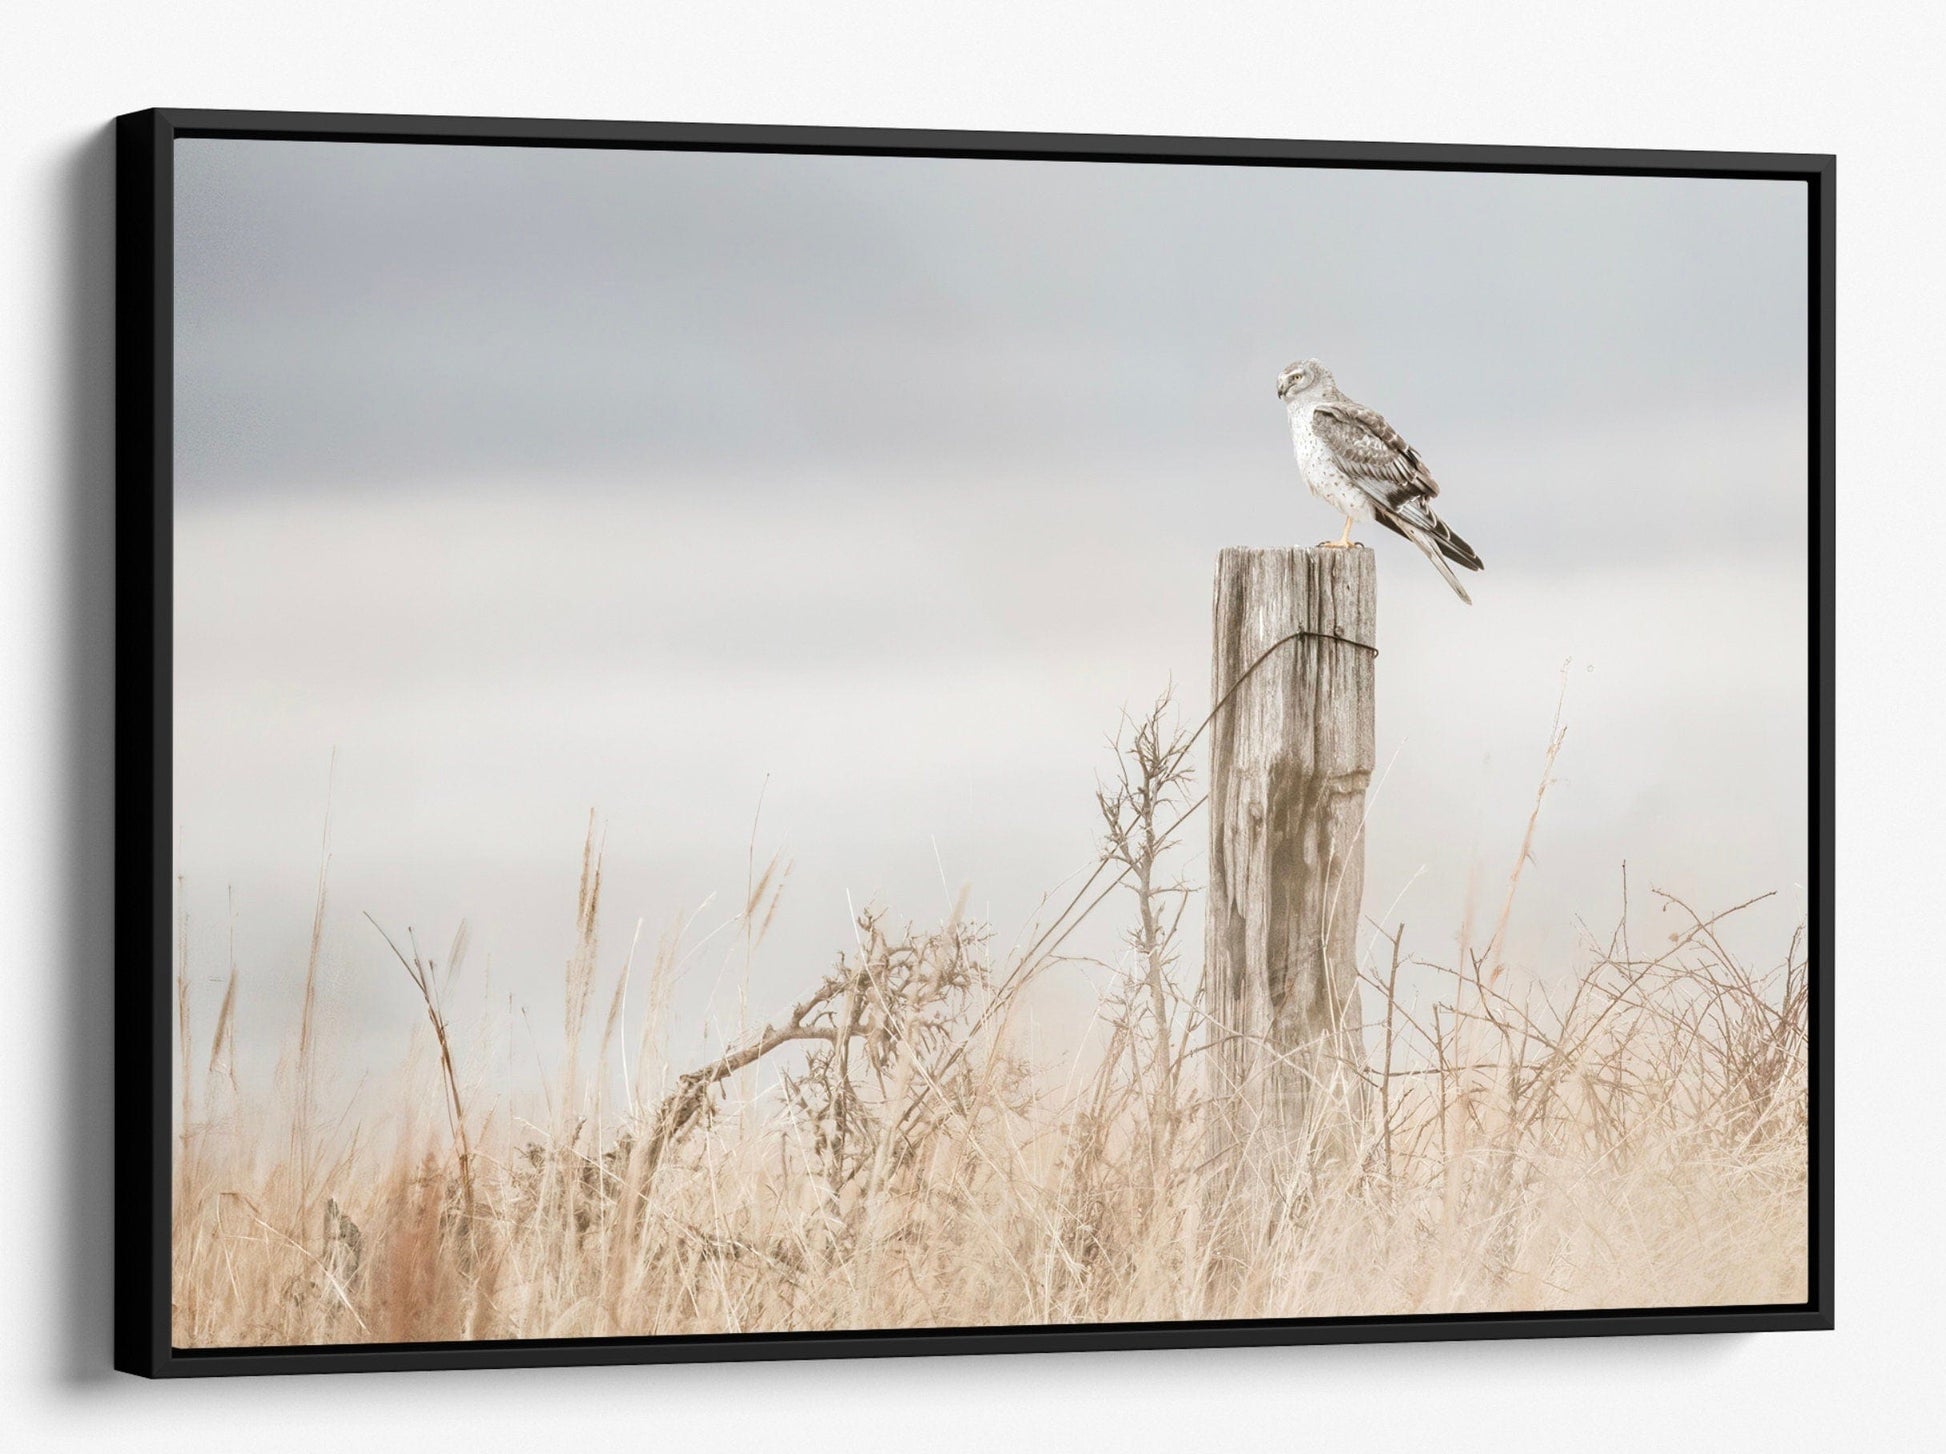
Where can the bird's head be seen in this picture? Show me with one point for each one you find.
(1304, 378)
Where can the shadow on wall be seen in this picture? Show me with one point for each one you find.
(83, 1183)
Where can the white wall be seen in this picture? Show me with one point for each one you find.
(1791, 76)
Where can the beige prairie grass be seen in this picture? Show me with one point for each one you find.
(881, 1155)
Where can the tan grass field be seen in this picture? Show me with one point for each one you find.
(886, 1153)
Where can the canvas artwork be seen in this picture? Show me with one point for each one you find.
(769, 744)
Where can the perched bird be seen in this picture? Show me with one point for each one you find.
(1356, 463)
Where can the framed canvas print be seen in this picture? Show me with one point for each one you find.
(745, 742)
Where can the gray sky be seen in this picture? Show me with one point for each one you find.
(533, 481)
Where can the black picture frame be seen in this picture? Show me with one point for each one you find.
(144, 398)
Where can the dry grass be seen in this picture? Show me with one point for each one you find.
(883, 1154)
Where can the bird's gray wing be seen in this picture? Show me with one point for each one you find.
(1384, 466)
(1371, 452)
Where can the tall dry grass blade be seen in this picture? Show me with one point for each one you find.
(580, 980)
(304, 1093)
(1556, 736)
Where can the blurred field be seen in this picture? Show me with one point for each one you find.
(894, 1150)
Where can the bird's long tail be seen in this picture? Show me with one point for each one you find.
(1436, 540)
(1425, 543)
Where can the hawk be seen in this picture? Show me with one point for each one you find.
(1356, 463)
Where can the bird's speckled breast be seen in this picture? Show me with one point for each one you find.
(1320, 468)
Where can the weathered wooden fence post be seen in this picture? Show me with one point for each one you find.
(1290, 756)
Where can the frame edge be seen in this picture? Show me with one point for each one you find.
(142, 662)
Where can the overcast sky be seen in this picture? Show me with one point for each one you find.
(530, 482)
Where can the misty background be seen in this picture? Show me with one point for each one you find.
(838, 506)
